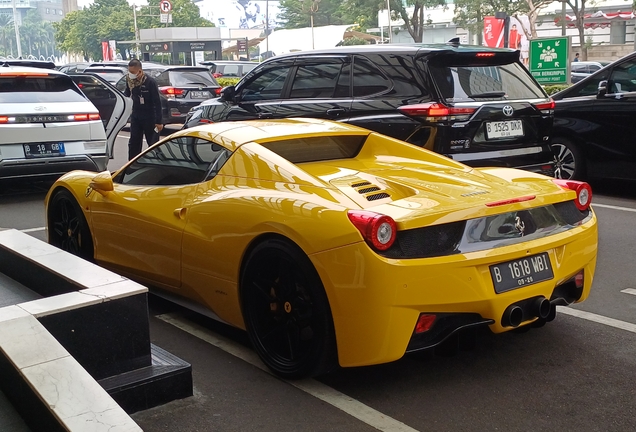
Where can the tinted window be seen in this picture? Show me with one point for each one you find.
(229, 70)
(266, 86)
(315, 81)
(590, 87)
(579, 67)
(316, 149)
(404, 75)
(110, 76)
(594, 68)
(367, 79)
(343, 88)
(467, 83)
(623, 78)
(189, 78)
(183, 160)
(32, 89)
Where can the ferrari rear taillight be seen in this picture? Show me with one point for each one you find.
(378, 230)
(545, 107)
(582, 189)
(579, 279)
(433, 111)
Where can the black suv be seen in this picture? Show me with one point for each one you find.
(180, 89)
(476, 105)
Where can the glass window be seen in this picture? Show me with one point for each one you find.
(367, 79)
(343, 88)
(623, 78)
(35, 89)
(267, 86)
(314, 149)
(315, 81)
(201, 77)
(183, 160)
(230, 70)
(590, 88)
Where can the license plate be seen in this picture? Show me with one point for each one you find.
(504, 129)
(200, 94)
(44, 150)
(522, 272)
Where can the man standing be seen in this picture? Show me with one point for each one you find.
(576, 57)
(146, 112)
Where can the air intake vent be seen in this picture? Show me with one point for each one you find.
(369, 189)
(377, 196)
(359, 184)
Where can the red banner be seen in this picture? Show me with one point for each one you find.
(105, 51)
(493, 32)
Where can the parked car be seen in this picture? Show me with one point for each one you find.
(181, 88)
(48, 126)
(229, 68)
(43, 64)
(582, 69)
(331, 244)
(594, 126)
(476, 105)
(111, 73)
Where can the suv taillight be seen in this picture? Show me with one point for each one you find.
(582, 189)
(171, 92)
(433, 111)
(545, 107)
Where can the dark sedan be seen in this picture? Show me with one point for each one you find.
(595, 126)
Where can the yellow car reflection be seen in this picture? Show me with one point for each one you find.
(330, 244)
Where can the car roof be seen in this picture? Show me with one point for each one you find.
(28, 63)
(8, 70)
(223, 62)
(232, 135)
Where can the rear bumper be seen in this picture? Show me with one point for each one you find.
(537, 158)
(50, 167)
(176, 111)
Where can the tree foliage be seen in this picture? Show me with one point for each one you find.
(415, 22)
(579, 9)
(83, 31)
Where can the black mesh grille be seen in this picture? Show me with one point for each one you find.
(369, 189)
(570, 214)
(377, 196)
(364, 183)
(425, 242)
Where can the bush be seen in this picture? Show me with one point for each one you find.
(552, 89)
(225, 82)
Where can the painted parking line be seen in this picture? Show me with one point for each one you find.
(631, 291)
(611, 322)
(28, 230)
(317, 389)
(627, 209)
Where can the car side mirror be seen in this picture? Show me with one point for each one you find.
(602, 89)
(228, 94)
(102, 183)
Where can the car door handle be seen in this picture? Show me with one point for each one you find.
(336, 111)
(265, 115)
(180, 212)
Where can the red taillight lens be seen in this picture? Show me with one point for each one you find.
(582, 189)
(579, 279)
(378, 230)
(434, 110)
(485, 54)
(217, 75)
(94, 117)
(20, 74)
(4, 119)
(80, 117)
(206, 121)
(545, 105)
(217, 91)
(424, 323)
(84, 117)
(171, 91)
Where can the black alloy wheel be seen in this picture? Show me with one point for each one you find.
(68, 229)
(286, 311)
(568, 163)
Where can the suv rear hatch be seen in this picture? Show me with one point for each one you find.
(490, 112)
(189, 84)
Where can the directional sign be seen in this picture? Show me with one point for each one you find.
(165, 6)
(550, 60)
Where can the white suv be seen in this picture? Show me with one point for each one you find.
(50, 125)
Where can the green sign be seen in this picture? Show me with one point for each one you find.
(550, 60)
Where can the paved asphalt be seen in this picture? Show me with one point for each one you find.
(575, 374)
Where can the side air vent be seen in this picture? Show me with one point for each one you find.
(377, 196)
(369, 189)
(359, 184)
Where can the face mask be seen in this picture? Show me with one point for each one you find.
(132, 75)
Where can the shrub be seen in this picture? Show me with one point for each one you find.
(552, 89)
(225, 82)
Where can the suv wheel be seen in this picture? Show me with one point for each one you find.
(568, 163)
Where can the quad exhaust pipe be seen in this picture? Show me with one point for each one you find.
(539, 307)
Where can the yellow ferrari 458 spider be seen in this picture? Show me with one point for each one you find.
(331, 244)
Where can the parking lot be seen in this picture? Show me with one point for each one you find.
(576, 373)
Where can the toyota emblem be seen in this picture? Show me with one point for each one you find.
(507, 110)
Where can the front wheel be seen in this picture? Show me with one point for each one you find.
(567, 159)
(286, 311)
(68, 228)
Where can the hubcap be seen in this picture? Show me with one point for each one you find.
(564, 163)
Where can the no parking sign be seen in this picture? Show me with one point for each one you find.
(165, 6)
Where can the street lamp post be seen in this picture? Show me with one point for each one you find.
(313, 8)
(17, 31)
(388, 11)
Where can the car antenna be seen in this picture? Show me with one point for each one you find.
(454, 42)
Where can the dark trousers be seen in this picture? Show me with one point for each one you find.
(139, 128)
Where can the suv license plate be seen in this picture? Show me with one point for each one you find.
(200, 94)
(504, 129)
(44, 150)
(522, 272)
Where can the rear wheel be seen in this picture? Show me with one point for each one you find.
(68, 229)
(567, 159)
(286, 311)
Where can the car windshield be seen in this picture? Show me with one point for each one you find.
(479, 83)
(192, 78)
(34, 89)
(110, 76)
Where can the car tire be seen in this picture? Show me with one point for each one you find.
(568, 161)
(68, 228)
(286, 311)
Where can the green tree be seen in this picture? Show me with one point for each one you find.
(184, 14)
(579, 8)
(416, 21)
(469, 14)
(297, 13)
(7, 33)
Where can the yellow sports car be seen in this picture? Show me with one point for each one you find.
(331, 244)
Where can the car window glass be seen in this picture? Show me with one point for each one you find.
(367, 79)
(404, 76)
(315, 80)
(34, 89)
(594, 68)
(190, 78)
(230, 71)
(343, 87)
(183, 160)
(266, 86)
(590, 86)
(162, 79)
(578, 67)
(623, 78)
